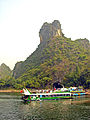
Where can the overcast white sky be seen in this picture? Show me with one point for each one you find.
(21, 20)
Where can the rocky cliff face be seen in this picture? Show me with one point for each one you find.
(50, 30)
(47, 31)
(18, 67)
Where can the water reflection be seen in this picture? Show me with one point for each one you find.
(71, 109)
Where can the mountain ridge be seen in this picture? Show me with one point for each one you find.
(57, 59)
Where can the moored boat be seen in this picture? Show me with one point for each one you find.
(55, 95)
(77, 91)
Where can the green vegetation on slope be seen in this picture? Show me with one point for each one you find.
(59, 59)
(4, 70)
(5, 75)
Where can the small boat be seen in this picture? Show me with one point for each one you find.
(77, 91)
(55, 95)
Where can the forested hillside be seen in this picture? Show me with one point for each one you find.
(57, 59)
(4, 70)
(5, 75)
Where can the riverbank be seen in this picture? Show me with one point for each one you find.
(15, 91)
(9, 91)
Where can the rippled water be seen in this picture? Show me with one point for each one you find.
(13, 108)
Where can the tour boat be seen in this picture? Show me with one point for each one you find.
(76, 91)
(51, 95)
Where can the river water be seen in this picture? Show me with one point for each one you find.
(13, 108)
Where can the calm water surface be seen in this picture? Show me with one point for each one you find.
(13, 108)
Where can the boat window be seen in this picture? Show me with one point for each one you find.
(46, 96)
(58, 95)
(43, 95)
(68, 94)
(62, 95)
(54, 95)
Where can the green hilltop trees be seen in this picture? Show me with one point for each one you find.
(60, 59)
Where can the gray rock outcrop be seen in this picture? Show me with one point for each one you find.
(50, 30)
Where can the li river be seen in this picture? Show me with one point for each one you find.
(13, 108)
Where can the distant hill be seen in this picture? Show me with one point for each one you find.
(57, 59)
(4, 71)
(6, 79)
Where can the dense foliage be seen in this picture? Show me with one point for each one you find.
(5, 76)
(59, 59)
(4, 71)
